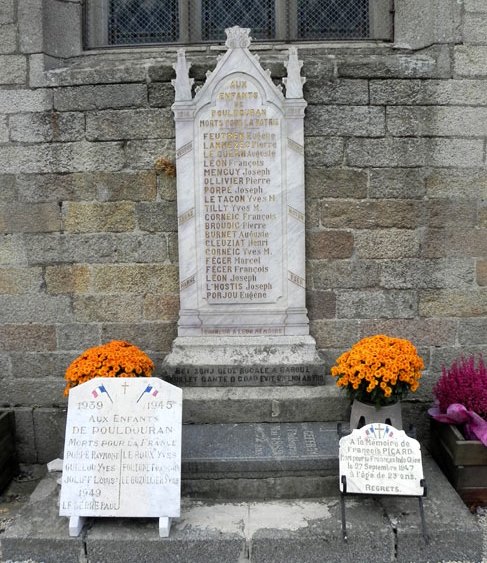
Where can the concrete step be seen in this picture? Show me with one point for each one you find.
(259, 460)
(286, 531)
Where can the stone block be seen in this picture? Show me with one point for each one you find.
(472, 331)
(359, 121)
(335, 182)
(30, 21)
(161, 71)
(13, 69)
(12, 250)
(411, 152)
(437, 121)
(38, 308)
(370, 214)
(37, 188)
(322, 245)
(172, 248)
(335, 333)
(475, 6)
(454, 242)
(482, 216)
(8, 38)
(3, 129)
(415, 273)
(122, 186)
(27, 337)
(5, 366)
(67, 279)
(166, 187)
(161, 307)
(321, 305)
(453, 303)
(8, 188)
(459, 184)
(7, 12)
(160, 95)
(342, 91)
(16, 101)
(129, 124)
(24, 435)
(372, 304)
(78, 336)
(44, 365)
(422, 332)
(313, 214)
(107, 308)
(30, 218)
(99, 217)
(46, 127)
(107, 96)
(153, 336)
(474, 28)
(135, 278)
(444, 213)
(141, 155)
(320, 151)
(444, 356)
(20, 280)
(387, 243)
(470, 61)
(396, 183)
(29, 390)
(49, 428)
(345, 274)
(157, 216)
(482, 272)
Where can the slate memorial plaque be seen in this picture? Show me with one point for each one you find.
(122, 454)
(378, 459)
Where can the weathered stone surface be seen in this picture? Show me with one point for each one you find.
(445, 303)
(329, 244)
(482, 272)
(462, 153)
(45, 365)
(345, 274)
(20, 280)
(321, 304)
(33, 337)
(44, 127)
(397, 183)
(13, 69)
(462, 184)
(341, 91)
(30, 218)
(386, 243)
(99, 217)
(335, 333)
(107, 308)
(135, 278)
(153, 336)
(62, 28)
(8, 189)
(474, 28)
(472, 332)
(313, 214)
(335, 182)
(8, 38)
(475, 6)
(12, 250)
(420, 273)
(160, 95)
(38, 188)
(29, 15)
(141, 155)
(78, 336)
(157, 216)
(437, 121)
(67, 279)
(470, 60)
(3, 129)
(359, 121)
(29, 390)
(49, 428)
(389, 304)
(7, 11)
(129, 124)
(38, 308)
(122, 186)
(16, 101)
(24, 435)
(161, 307)
(422, 332)
(324, 152)
(85, 98)
(451, 213)
(454, 242)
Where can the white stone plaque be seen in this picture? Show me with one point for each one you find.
(378, 459)
(122, 453)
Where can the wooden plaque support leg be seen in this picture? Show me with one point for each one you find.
(164, 526)
(76, 524)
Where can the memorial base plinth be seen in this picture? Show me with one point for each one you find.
(244, 361)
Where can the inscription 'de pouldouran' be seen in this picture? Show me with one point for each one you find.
(241, 199)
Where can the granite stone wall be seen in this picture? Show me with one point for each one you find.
(396, 189)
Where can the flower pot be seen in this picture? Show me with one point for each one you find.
(8, 462)
(464, 462)
(364, 413)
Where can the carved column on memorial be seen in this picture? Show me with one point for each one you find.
(241, 209)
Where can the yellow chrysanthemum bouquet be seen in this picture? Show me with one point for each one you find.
(113, 359)
(379, 369)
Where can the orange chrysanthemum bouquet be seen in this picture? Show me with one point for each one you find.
(379, 369)
(114, 359)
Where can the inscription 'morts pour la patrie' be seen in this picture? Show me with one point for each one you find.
(240, 175)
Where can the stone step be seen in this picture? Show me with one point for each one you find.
(259, 460)
(284, 531)
(221, 405)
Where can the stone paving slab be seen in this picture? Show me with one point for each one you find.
(280, 531)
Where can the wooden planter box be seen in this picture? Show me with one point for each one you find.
(464, 462)
(8, 461)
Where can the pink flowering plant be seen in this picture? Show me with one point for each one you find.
(461, 397)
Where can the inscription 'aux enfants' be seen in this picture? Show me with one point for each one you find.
(241, 199)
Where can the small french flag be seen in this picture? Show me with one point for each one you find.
(149, 389)
(99, 390)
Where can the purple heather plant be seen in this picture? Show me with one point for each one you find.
(464, 383)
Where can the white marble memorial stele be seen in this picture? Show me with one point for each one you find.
(378, 459)
(241, 208)
(122, 454)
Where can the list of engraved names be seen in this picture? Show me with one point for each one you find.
(241, 203)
